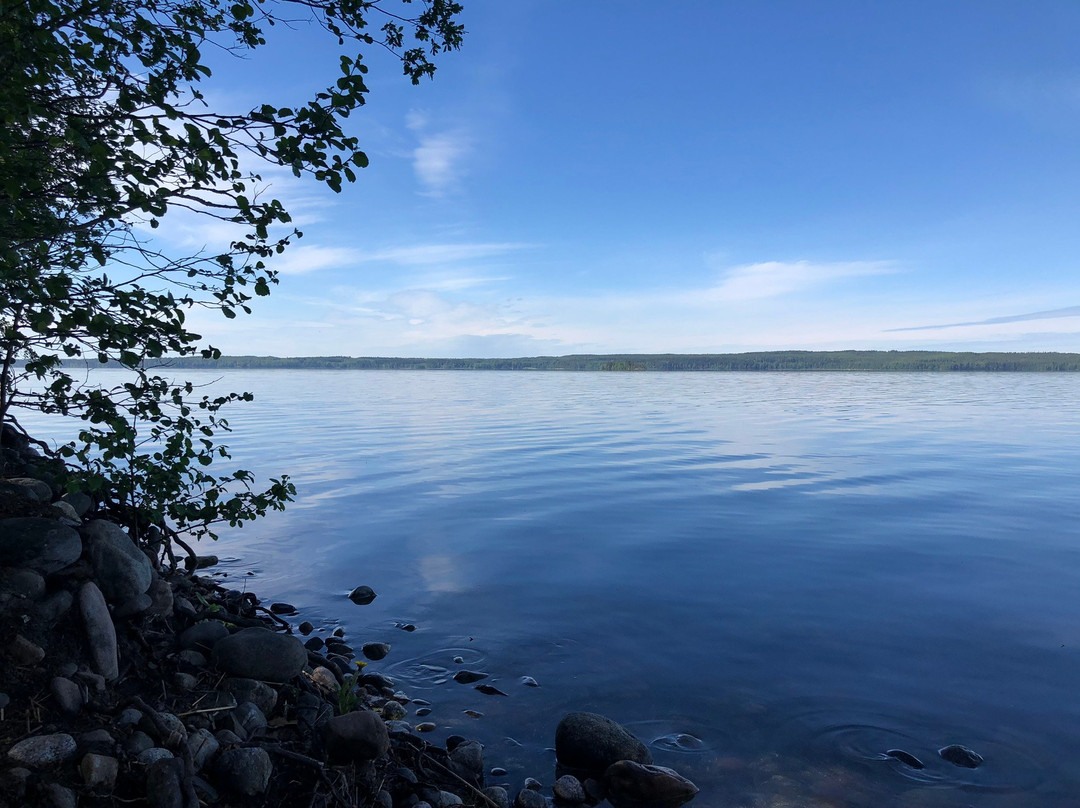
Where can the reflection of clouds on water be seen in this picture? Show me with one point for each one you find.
(441, 574)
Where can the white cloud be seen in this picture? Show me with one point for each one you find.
(776, 278)
(438, 160)
(441, 253)
(303, 258)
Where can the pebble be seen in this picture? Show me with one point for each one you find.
(283, 608)
(315, 644)
(498, 795)
(468, 677)
(426, 726)
(69, 697)
(203, 746)
(203, 636)
(393, 711)
(593, 742)
(421, 712)
(375, 650)
(43, 750)
(57, 796)
(305, 628)
(356, 736)
(905, 757)
(499, 771)
(569, 789)
(137, 743)
(148, 757)
(407, 627)
(533, 784)
(961, 756)
(164, 778)
(628, 781)
(244, 770)
(362, 595)
(99, 771)
(258, 653)
(24, 652)
(490, 690)
(528, 681)
(527, 798)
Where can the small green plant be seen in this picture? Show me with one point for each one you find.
(348, 695)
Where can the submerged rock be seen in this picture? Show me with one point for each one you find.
(468, 677)
(375, 650)
(362, 595)
(593, 742)
(639, 784)
(961, 756)
(905, 757)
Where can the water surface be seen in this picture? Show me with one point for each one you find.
(773, 578)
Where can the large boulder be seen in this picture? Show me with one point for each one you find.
(633, 784)
(122, 570)
(44, 545)
(258, 653)
(592, 742)
(355, 737)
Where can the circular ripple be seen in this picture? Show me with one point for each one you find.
(435, 667)
(862, 734)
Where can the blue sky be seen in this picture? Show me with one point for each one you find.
(688, 177)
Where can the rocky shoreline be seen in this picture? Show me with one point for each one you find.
(129, 680)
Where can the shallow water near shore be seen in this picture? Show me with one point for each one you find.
(772, 578)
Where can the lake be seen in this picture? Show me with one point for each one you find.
(771, 578)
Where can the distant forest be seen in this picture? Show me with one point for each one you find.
(763, 361)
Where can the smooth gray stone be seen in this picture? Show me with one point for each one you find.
(467, 760)
(569, 789)
(203, 746)
(362, 595)
(99, 741)
(593, 742)
(100, 632)
(24, 652)
(161, 598)
(247, 720)
(185, 682)
(356, 736)
(164, 782)
(394, 711)
(43, 545)
(150, 756)
(68, 695)
(57, 796)
(80, 502)
(22, 582)
(375, 650)
(203, 636)
(527, 798)
(258, 693)
(133, 606)
(258, 653)
(498, 795)
(43, 750)
(137, 743)
(33, 488)
(99, 771)
(244, 770)
(67, 514)
(448, 799)
(961, 756)
(122, 570)
(657, 786)
(192, 659)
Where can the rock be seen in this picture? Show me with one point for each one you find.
(200, 562)
(247, 720)
(468, 677)
(31, 488)
(527, 798)
(148, 757)
(498, 771)
(99, 771)
(21, 582)
(569, 789)
(355, 736)
(282, 608)
(100, 632)
(206, 792)
(498, 795)
(528, 681)
(23, 652)
(305, 628)
(69, 697)
(91, 679)
(314, 644)
(79, 502)
(362, 595)
(137, 743)
(129, 717)
(490, 690)
(533, 784)
(324, 679)
(172, 732)
(191, 660)
(164, 783)
(185, 682)
(905, 757)
(424, 726)
(43, 545)
(592, 742)
(161, 598)
(57, 796)
(244, 770)
(961, 756)
(467, 761)
(228, 738)
(67, 514)
(182, 606)
(394, 711)
(655, 786)
(257, 653)
(375, 650)
(43, 750)
(203, 636)
(448, 799)
(258, 693)
(53, 607)
(422, 711)
(132, 606)
(13, 782)
(98, 741)
(203, 746)
(122, 570)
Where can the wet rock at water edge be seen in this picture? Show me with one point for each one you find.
(425, 726)
(468, 677)
(490, 690)
(314, 644)
(394, 711)
(283, 608)
(305, 628)
(569, 789)
(961, 756)
(356, 736)
(641, 784)
(43, 750)
(593, 742)
(533, 784)
(498, 795)
(258, 653)
(362, 595)
(906, 758)
(375, 650)
(528, 681)
(527, 798)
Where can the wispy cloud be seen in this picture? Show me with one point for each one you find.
(438, 159)
(441, 253)
(301, 259)
(1051, 314)
(776, 278)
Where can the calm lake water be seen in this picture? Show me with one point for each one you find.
(799, 571)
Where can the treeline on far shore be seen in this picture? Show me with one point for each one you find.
(936, 361)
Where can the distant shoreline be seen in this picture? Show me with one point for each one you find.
(891, 361)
